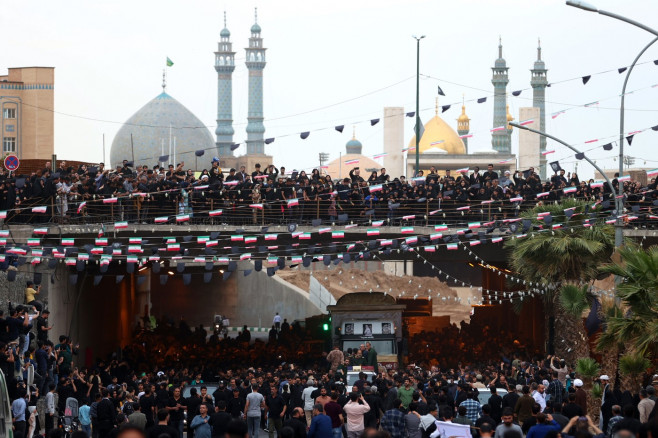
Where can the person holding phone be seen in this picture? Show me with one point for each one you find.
(31, 291)
(355, 410)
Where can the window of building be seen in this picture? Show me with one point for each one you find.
(9, 144)
(9, 113)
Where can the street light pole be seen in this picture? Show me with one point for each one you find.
(612, 188)
(417, 167)
(619, 225)
(591, 8)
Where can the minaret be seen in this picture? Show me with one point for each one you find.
(501, 140)
(255, 64)
(463, 125)
(539, 82)
(224, 65)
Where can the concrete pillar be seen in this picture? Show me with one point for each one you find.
(394, 141)
(529, 142)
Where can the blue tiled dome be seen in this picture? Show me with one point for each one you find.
(150, 127)
(225, 33)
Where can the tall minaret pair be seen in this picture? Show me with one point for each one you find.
(225, 65)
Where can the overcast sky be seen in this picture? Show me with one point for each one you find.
(322, 56)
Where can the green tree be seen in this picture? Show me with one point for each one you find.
(634, 326)
(633, 366)
(588, 369)
(566, 252)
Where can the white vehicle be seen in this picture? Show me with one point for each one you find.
(485, 393)
(353, 375)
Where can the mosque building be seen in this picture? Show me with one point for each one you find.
(446, 149)
(165, 131)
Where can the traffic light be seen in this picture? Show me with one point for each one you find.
(325, 327)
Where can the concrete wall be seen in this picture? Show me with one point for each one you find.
(259, 297)
(319, 295)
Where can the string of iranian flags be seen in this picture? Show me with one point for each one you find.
(131, 258)
(136, 245)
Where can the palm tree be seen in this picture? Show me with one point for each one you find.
(634, 326)
(567, 253)
(633, 366)
(588, 369)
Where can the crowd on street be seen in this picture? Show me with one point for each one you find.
(174, 379)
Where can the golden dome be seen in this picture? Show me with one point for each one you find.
(436, 130)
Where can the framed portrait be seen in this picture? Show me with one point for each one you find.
(367, 329)
(349, 328)
(386, 328)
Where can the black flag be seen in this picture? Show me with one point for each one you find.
(555, 165)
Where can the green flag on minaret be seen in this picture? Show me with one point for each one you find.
(169, 62)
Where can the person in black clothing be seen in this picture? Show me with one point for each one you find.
(42, 326)
(372, 417)
(147, 402)
(484, 418)
(510, 399)
(297, 423)
(276, 409)
(236, 404)
(496, 404)
(220, 420)
(176, 408)
(572, 409)
(162, 429)
(192, 402)
(106, 415)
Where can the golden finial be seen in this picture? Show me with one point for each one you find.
(353, 132)
(436, 106)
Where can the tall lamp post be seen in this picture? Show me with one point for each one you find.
(417, 167)
(619, 203)
(612, 188)
(619, 225)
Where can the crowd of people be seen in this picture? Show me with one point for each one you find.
(174, 379)
(273, 195)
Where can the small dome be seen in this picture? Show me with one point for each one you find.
(225, 33)
(353, 146)
(255, 28)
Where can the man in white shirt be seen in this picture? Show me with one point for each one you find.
(277, 322)
(539, 396)
(307, 398)
(50, 408)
